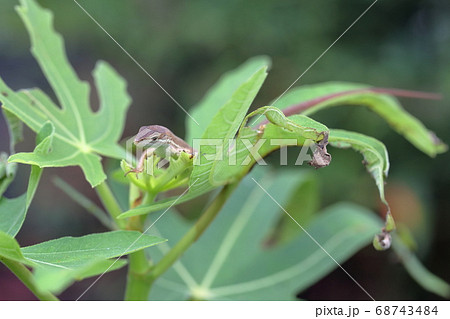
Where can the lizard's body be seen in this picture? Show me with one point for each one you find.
(159, 140)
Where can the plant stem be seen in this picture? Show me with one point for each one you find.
(138, 277)
(26, 277)
(110, 203)
(138, 280)
(195, 232)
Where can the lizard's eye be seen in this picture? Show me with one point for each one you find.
(154, 138)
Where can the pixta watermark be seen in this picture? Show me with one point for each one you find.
(156, 152)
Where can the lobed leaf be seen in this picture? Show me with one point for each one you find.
(78, 139)
(230, 260)
(303, 204)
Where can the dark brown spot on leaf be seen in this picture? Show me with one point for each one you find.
(321, 157)
(383, 241)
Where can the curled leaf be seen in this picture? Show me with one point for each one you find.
(312, 98)
(376, 161)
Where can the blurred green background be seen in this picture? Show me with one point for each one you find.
(187, 45)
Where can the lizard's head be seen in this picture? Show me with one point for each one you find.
(150, 135)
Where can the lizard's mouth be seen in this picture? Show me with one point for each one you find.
(141, 138)
(138, 140)
(141, 141)
(142, 135)
(145, 141)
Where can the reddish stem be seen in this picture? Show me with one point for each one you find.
(297, 108)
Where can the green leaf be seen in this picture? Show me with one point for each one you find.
(57, 280)
(12, 214)
(312, 98)
(44, 145)
(7, 172)
(223, 127)
(298, 128)
(302, 205)
(57, 263)
(78, 139)
(13, 211)
(10, 249)
(377, 164)
(230, 261)
(76, 252)
(374, 152)
(418, 272)
(219, 94)
(161, 179)
(15, 129)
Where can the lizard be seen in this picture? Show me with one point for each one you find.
(161, 141)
